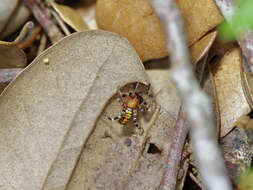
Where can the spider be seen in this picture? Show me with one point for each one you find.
(131, 104)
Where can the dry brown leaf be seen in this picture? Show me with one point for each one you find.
(11, 55)
(49, 111)
(200, 48)
(70, 16)
(199, 17)
(230, 98)
(20, 16)
(7, 8)
(136, 21)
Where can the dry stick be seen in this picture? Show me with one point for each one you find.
(43, 44)
(51, 29)
(245, 39)
(196, 103)
(61, 23)
(172, 166)
(27, 28)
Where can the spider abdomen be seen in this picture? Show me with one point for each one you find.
(128, 114)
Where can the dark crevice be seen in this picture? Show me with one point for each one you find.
(153, 149)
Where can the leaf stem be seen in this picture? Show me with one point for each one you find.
(51, 29)
(195, 101)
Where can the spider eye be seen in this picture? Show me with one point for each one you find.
(123, 95)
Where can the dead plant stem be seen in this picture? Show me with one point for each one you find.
(195, 101)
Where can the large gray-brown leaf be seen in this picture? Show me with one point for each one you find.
(48, 112)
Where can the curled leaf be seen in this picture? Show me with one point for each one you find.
(230, 98)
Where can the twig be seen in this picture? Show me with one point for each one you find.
(51, 29)
(27, 28)
(61, 23)
(25, 44)
(196, 103)
(43, 43)
(245, 38)
(172, 166)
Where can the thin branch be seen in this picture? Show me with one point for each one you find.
(245, 39)
(43, 44)
(61, 23)
(196, 103)
(27, 28)
(51, 29)
(172, 166)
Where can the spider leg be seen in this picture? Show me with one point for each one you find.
(117, 117)
(135, 122)
(149, 92)
(136, 87)
(120, 95)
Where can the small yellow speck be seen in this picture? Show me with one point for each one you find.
(46, 61)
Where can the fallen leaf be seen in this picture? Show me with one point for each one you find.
(137, 21)
(49, 111)
(199, 17)
(70, 16)
(230, 98)
(11, 55)
(200, 48)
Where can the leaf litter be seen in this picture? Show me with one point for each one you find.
(107, 154)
